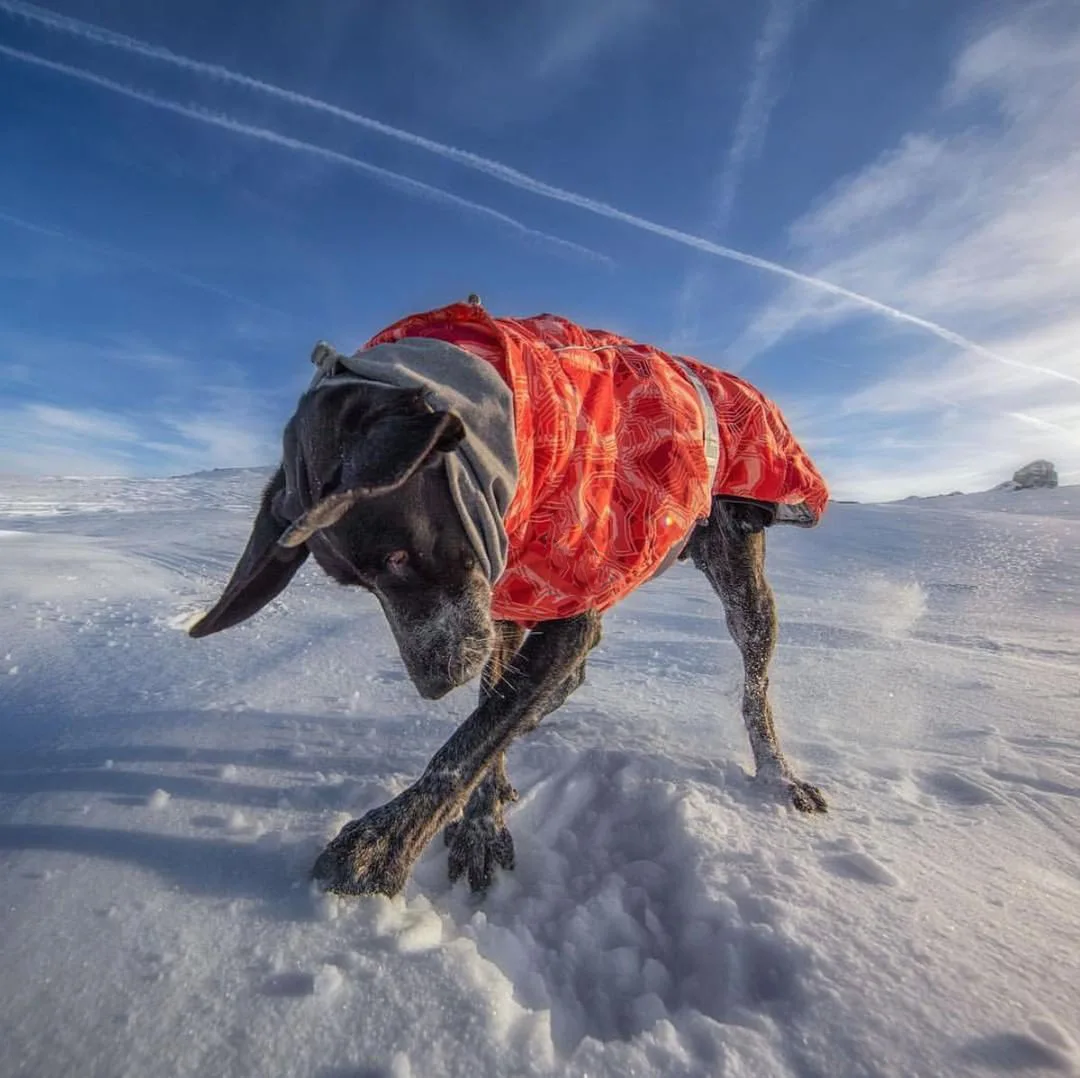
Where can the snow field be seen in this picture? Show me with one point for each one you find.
(161, 802)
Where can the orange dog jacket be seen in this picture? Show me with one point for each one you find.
(613, 471)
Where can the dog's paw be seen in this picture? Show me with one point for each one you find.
(806, 798)
(369, 856)
(478, 844)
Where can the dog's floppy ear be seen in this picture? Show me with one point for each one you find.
(393, 448)
(262, 572)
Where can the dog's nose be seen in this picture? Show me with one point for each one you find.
(433, 688)
(433, 684)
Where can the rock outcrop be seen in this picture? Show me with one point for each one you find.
(1039, 473)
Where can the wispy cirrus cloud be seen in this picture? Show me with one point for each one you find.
(227, 431)
(976, 224)
(80, 424)
(748, 137)
(511, 69)
(38, 438)
(762, 93)
(487, 166)
(170, 417)
(576, 32)
(976, 221)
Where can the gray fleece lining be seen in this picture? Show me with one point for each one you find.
(483, 470)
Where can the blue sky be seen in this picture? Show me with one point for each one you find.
(193, 194)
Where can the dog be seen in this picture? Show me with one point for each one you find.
(498, 484)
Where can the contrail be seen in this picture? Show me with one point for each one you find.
(395, 179)
(137, 260)
(495, 169)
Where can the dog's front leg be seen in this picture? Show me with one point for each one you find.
(373, 855)
(480, 841)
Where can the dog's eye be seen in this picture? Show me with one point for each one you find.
(397, 561)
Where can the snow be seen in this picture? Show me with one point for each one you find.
(162, 799)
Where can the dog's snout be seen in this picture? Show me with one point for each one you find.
(434, 683)
(443, 644)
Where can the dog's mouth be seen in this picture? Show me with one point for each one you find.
(435, 675)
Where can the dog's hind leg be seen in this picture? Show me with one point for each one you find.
(479, 842)
(730, 551)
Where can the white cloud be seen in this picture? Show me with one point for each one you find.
(27, 354)
(45, 439)
(66, 422)
(570, 34)
(173, 417)
(977, 224)
(230, 430)
(973, 222)
(222, 440)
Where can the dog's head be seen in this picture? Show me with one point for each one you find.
(363, 488)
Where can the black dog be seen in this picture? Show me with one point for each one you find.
(363, 488)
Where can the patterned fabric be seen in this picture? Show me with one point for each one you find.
(612, 469)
